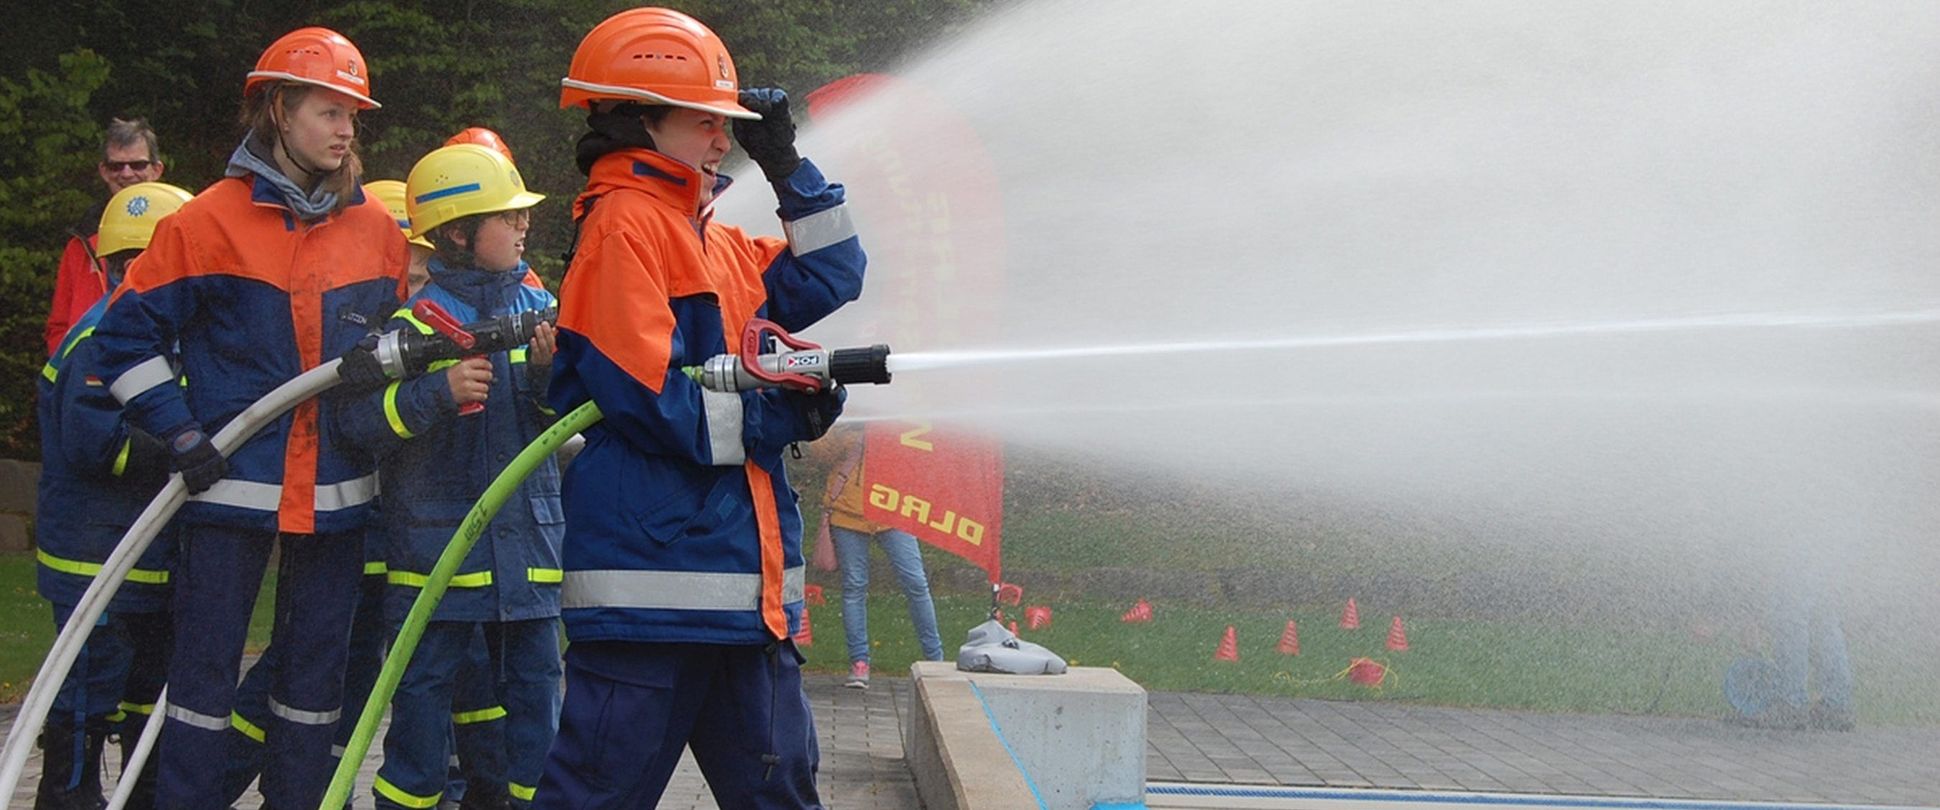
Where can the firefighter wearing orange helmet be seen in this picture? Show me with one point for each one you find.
(270, 272)
(682, 553)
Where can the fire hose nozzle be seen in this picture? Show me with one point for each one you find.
(808, 368)
(408, 353)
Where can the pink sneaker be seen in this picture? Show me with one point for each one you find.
(858, 675)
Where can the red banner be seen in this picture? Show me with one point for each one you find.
(946, 489)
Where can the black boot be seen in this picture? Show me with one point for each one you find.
(486, 797)
(60, 768)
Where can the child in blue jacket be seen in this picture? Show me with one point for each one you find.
(435, 461)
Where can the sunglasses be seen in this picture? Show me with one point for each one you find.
(120, 165)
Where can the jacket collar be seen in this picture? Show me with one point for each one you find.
(668, 181)
(482, 289)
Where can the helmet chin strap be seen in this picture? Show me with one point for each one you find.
(309, 174)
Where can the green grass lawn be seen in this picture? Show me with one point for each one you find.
(1564, 668)
(1505, 664)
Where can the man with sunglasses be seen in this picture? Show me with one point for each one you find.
(129, 155)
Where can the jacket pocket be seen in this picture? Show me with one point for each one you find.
(702, 505)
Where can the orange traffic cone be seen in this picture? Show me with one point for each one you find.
(1010, 594)
(1037, 617)
(1140, 613)
(1290, 640)
(1397, 637)
(1228, 646)
(1013, 627)
(1350, 617)
(812, 594)
(805, 637)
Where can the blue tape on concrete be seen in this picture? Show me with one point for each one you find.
(1007, 749)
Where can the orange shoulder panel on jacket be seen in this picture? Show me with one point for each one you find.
(615, 300)
(741, 289)
(378, 250)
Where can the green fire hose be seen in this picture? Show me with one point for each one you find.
(408, 635)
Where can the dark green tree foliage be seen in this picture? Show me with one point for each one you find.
(437, 67)
(48, 143)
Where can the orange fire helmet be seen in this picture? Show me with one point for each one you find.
(482, 137)
(315, 56)
(654, 56)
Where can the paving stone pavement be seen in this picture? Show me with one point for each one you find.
(1260, 740)
(859, 730)
(1280, 741)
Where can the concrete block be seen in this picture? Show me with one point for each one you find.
(954, 756)
(1079, 736)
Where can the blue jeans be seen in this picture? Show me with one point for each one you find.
(906, 557)
(1807, 640)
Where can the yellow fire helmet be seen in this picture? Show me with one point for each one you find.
(391, 194)
(460, 181)
(129, 220)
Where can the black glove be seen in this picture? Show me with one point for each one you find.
(769, 142)
(360, 370)
(148, 458)
(818, 412)
(196, 458)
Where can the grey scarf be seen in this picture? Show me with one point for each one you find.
(309, 206)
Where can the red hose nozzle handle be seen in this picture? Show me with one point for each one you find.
(751, 356)
(440, 321)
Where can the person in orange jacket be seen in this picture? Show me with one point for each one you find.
(269, 272)
(129, 155)
(682, 553)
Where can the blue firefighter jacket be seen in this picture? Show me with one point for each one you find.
(680, 524)
(434, 464)
(97, 475)
(254, 296)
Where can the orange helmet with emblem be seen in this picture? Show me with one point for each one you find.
(483, 137)
(314, 56)
(654, 56)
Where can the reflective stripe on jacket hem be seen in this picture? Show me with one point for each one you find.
(269, 497)
(87, 569)
(673, 590)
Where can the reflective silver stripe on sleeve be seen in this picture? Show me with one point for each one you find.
(302, 717)
(819, 230)
(145, 375)
(723, 427)
(196, 719)
(673, 590)
(269, 497)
